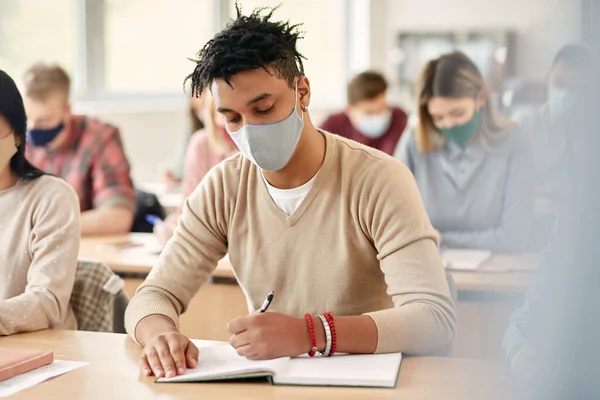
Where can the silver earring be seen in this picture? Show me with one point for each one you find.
(304, 108)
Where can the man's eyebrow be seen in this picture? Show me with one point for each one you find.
(249, 103)
(258, 98)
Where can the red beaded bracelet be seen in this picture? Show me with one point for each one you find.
(313, 337)
(329, 318)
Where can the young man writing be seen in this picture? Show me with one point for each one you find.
(327, 223)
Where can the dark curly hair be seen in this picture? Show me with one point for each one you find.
(249, 42)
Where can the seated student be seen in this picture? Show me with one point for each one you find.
(368, 118)
(572, 66)
(472, 169)
(87, 153)
(559, 320)
(174, 172)
(325, 222)
(39, 231)
(207, 148)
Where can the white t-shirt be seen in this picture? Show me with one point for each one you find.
(288, 200)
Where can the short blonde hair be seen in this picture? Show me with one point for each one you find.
(453, 75)
(42, 80)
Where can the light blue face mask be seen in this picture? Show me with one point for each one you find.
(270, 146)
(374, 126)
(561, 102)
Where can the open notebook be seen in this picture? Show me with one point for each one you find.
(220, 362)
(464, 259)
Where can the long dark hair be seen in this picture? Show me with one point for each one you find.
(12, 108)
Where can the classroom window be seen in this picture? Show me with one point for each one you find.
(147, 43)
(324, 42)
(36, 30)
(138, 49)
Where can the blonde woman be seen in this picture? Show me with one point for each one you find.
(474, 171)
(207, 148)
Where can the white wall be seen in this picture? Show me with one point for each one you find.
(542, 26)
(151, 139)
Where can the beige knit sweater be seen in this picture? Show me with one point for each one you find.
(39, 244)
(360, 243)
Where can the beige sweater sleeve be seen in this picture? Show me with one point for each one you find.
(189, 258)
(54, 247)
(422, 320)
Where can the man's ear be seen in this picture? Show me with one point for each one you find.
(304, 91)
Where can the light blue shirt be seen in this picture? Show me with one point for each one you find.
(479, 196)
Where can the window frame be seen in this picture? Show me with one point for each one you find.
(89, 86)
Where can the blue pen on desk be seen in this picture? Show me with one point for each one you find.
(153, 219)
(267, 302)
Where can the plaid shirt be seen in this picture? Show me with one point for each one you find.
(92, 161)
(93, 296)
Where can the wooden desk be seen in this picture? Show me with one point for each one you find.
(133, 260)
(113, 374)
(502, 273)
(225, 300)
(486, 298)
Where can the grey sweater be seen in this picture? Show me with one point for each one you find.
(479, 196)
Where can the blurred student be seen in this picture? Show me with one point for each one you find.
(368, 118)
(473, 170)
(572, 67)
(87, 153)
(551, 344)
(39, 231)
(173, 174)
(207, 148)
(279, 209)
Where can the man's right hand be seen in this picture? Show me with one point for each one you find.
(167, 353)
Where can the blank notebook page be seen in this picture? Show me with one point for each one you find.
(341, 370)
(222, 361)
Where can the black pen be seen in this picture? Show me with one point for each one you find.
(267, 302)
